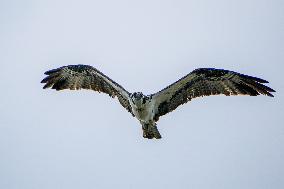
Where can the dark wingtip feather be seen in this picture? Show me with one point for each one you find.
(254, 78)
(44, 80)
(269, 89)
(52, 71)
(47, 85)
(270, 95)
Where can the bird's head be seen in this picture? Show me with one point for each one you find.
(138, 98)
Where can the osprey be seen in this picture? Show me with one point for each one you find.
(149, 108)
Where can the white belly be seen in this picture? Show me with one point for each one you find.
(144, 113)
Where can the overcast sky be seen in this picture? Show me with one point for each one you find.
(82, 139)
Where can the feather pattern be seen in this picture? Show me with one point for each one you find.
(205, 82)
(149, 108)
(76, 77)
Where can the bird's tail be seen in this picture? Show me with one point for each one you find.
(150, 131)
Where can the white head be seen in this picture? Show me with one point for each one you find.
(138, 98)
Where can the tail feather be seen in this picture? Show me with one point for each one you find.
(150, 131)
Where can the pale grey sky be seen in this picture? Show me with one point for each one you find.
(82, 139)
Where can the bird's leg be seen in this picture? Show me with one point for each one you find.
(155, 131)
(150, 130)
(145, 128)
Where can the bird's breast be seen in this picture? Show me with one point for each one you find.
(143, 113)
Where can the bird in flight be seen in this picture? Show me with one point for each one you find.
(149, 108)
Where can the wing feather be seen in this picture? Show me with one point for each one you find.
(205, 82)
(76, 77)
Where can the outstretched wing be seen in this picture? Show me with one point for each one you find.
(85, 77)
(205, 82)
